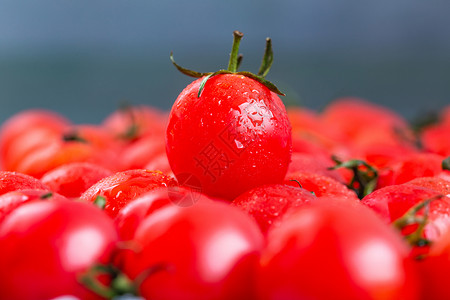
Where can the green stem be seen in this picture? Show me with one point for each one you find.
(233, 62)
(267, 59)
(446, 164)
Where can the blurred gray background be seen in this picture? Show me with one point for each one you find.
(83, 58)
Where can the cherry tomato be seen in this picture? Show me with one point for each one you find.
(393, 201)
(325, 251)
(234, 137)
(267, 204)
(73, 179)
(81, 143)
(11, 181)
(207, 251)
(47, 245)
(321, 185)
(123, 187)
(434, 270)
(132, 214)
(11, 200)
(26, 130)
(229, 130)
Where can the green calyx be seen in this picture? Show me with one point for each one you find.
(412, 217)
(446, 164)
(365, 176)
(234, 64)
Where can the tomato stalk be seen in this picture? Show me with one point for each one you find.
(446, 164)
(233, 62)
(411, 217)
(120, 283)
(233, 66)
(73, 137)
(365, 176)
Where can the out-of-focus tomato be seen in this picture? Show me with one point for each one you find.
(73, 179)
(46, 246)
(207, 251)
(11, 181)
(326, 251)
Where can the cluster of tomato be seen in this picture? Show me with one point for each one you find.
(94, 211)
(230, 196)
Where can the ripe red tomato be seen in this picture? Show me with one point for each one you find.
(123, 187)
(231, 132)
(82, 143)
(438, 184)
(132, 214)
(392, 202)
(11, 181)
(11, 200)
(208, 251)
(311, 163)
(415, 165)
(234, 137)
(46, 246)
(26, 130)
(321, 185)
(365, 123)
(134, 122)
(326, 251)
(267, 204)
(73, 179)
(434, 270)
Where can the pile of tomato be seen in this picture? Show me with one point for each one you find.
(230, 195)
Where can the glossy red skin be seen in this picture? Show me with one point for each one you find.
(434, 270)
(324, 251)
(132, 214)
(147, 120)
(18, 126)
(46, 245)
(160, 163)
(211, 250)
(308, 126)
(99, 147)
(321, 186)
(364, 123)
(11, 181)
(123, 187)
(267, 204)
(316, 164)
(392, 202)
(73, 179)
(137, 154)
(413, 166)
(435, 139)
(14, 199)
(236, 136)
(438, 184)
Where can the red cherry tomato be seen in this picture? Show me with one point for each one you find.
(234, 137)
(207, 251)
(123, 187)
(47, 245)
(26, 130)
(12, 181)
(132, 214)
(325, 251)
(82, 143)
(434, 270)
(12, 200)
(321, 185)
(267, 204)
(73, 179)
(393, 201)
